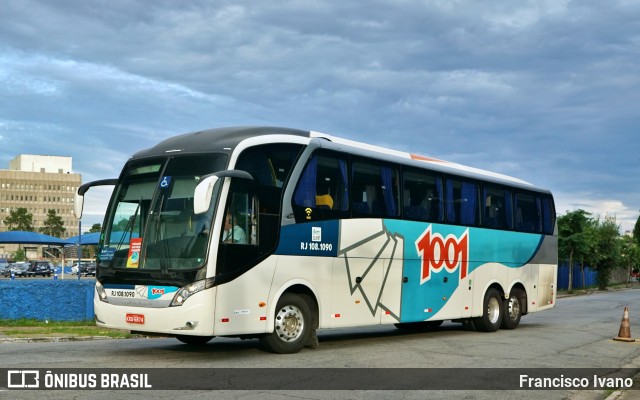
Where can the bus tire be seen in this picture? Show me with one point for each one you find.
(512, 310)
(491, 318)
(194, 340)
(293, 325)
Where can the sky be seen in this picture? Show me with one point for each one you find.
(547, 91)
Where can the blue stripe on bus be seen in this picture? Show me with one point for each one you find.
(509, 249)
(319, 238)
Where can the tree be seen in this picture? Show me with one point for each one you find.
(95, 228)
(606, 252)
(53, 225)
(630, 254)
(636, 231)
(19, 220)
(20, 255)
(574, 238)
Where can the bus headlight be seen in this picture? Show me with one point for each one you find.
(102, 294)
(189, 290)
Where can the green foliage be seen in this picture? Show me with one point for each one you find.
(37, 322)
(95, 228)
(606, 250)
(20, 255)
(122, 225)
(636, 231)
(630, 253)
(575, 238)
(32, 327)
(597, 243)
(19, 219)
(53, 225)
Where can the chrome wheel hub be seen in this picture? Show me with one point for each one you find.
(289, 323)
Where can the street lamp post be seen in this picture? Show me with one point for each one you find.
(79, 246)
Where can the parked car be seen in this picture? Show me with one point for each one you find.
(86, 268)
(90, 270)
(40, 268)
(18, 269)
(75, 269)
(4, 266)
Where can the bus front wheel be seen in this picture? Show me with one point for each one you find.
(491, 318)
(293, 325)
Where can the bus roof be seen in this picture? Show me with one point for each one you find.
(441, 165)
(213, 140)
(227, 139)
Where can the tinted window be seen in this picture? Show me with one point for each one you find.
(461, 202)
(548, 215)
(527, 213)
(497, 207)
(322, 191)
(374, 190)
(423, 200)
(270, 164)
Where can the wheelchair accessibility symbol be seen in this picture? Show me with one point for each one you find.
(166, 180)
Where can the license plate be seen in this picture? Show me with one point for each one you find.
(135, 318)
(122, 293)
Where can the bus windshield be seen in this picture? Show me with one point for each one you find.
(151, 224)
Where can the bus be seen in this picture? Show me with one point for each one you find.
(275, 233)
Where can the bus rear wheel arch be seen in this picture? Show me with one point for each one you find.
(294, 324)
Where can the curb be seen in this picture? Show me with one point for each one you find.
(586, 292)
(54, 339)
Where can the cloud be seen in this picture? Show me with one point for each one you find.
(544, 90)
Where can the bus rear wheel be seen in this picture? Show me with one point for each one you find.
(293, 325)
(491, 318)
(512, 310)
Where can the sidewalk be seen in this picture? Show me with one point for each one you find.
(582, 292)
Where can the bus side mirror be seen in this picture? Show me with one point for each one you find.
(78, 204)
(204, 190)
(78, 201)
(202, 194)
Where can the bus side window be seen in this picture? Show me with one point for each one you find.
(498, 206)
(240, 240)
(462, 202)
(376, 191)
(422, 196)
(240, 222)
(548, 215)
(322, 191)
(527, 213)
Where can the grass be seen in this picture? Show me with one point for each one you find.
(25, 328)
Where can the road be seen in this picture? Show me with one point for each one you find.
(577, 333)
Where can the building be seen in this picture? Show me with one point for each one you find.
(39, 184)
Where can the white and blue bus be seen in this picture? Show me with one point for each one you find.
(276, 233)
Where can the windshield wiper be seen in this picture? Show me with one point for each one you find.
(128, 229)
(164, 269)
